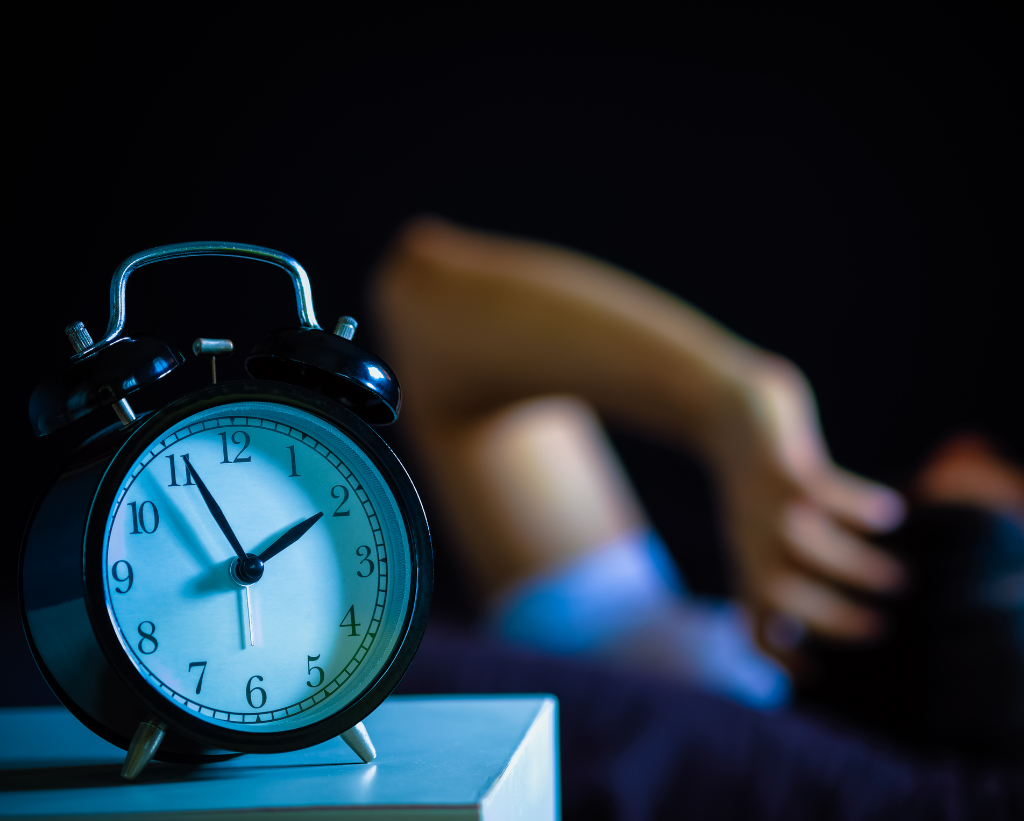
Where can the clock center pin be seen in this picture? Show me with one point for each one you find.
(248, 571)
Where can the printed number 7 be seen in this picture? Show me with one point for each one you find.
(202, 664)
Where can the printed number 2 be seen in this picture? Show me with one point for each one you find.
(344, 500)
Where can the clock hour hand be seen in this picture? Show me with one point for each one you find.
(218, 514)
(290, 537)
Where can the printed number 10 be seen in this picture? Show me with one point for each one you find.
(139, 517)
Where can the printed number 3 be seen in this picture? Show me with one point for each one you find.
(365, 560)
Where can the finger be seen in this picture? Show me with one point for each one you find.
(860, 502)
(822, 609)
(820, 544)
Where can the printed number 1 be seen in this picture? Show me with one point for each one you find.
(294, 471)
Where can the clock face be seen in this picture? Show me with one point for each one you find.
(323, 620)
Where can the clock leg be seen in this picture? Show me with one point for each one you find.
(142, 749)
(359, 740)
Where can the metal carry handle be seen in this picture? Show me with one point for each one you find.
(303, 292)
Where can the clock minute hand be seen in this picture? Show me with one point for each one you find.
(217, 513)
(290, 537)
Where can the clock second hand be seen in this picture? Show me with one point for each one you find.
(248, 612)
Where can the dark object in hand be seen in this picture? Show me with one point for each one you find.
(949, 674)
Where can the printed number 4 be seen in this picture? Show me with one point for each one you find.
(350, 621)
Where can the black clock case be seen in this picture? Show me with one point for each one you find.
(65, 616)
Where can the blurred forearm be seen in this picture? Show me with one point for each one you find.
(473, 322)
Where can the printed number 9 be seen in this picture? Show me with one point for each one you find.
(128, 577)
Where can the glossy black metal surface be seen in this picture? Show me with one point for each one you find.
(99, 380)
(57, 626)
(331, 366)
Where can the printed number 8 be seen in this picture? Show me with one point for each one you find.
(147, 637)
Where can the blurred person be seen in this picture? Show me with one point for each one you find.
(510, 352)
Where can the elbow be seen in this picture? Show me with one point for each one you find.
(411, 294)
(410, 271)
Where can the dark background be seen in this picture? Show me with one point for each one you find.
(842, 188)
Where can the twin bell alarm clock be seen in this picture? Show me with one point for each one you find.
(246, 570)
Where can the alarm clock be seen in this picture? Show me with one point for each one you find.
(246, 570)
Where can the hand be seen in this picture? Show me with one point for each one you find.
(290, 537)
(217, 513)
(798, 522)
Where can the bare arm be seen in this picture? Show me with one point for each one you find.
(475, 322)
(479, 321)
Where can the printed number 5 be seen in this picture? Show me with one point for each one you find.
(310, 667)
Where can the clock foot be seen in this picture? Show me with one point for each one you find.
(142, 749)
(359, 740)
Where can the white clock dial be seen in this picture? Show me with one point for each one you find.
(309, 636)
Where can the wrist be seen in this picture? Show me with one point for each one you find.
(761, 397)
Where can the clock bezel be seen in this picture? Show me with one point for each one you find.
(183, 720)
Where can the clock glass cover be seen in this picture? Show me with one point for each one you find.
(312, 633)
